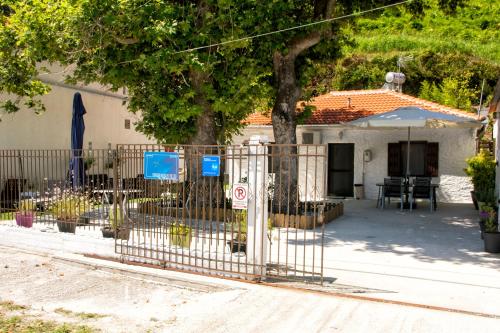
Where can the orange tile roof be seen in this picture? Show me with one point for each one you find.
(333, 108)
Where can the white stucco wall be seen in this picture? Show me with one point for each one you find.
(455, 145)
(104, 123)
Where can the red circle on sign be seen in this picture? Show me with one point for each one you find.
(240, 193)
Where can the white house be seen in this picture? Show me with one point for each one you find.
(107, 120)
(362, 156)
(355, 156)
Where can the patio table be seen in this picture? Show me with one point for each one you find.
(408, 189)
(107, 195)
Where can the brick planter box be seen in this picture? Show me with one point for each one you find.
(217, 214)
(331, 212)
(303, 221)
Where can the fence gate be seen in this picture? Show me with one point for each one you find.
(250, 211)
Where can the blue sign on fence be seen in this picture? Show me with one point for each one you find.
(210, 165)
(161, 166)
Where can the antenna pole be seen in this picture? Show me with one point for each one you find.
(481, 99)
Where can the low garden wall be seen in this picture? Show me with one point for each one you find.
(310, 220)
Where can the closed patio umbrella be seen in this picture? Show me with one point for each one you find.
(413, 117)
(76, 166)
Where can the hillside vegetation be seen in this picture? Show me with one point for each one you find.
(445, 56)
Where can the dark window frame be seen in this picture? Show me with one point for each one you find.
(395, 159)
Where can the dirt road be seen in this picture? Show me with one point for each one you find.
(136, 299)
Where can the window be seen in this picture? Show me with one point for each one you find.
(424, 159)
(307, 138)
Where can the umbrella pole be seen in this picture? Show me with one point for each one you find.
(408, 156)
(407, 203)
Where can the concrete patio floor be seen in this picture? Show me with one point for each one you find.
(433, 259)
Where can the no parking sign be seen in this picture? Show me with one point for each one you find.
(240, 196)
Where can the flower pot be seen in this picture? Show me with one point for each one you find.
(481, 226)
(67, 226)
(236, 246)
(121, 233)
(108, 232)
(83, 220)
(182, 240)
(492, 242)
(25, 219)
(474, 199)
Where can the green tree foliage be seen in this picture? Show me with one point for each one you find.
(453, 92)
(427, 74)
(22, 45)
(472, 29)
(442, 69)
(197, 97)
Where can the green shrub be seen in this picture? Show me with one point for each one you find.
(118, 221)
(491, 219)
(180, 235)
(70, 206)
(240, 225)
(27, 205)
(481, 168)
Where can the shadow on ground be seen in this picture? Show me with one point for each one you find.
(449, 234)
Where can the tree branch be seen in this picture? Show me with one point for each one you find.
(121, 40)
(330, 8)
(326, 8)
(301, 44)
(323, 9)
(126, 41)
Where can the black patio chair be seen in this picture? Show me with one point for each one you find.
(97, 181)
(393, 188)
(422, 189)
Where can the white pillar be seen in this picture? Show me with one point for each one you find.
(257, 241)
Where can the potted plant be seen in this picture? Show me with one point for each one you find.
(26, 213)
(238, 243)
(484, 213)
(491, 233)
(481, 168)
(180, 235)
(116, 228)
(68, 209)
(88, 162)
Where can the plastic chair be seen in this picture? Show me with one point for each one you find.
(393, 188)
(422, 189)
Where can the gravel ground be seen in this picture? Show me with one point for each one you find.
(123, 301)
(126, 303)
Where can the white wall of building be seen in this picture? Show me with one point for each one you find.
(104, 123)
(455, 145)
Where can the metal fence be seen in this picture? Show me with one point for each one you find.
(190, 221)
(40, 186)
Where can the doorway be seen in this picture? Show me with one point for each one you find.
(341, 169)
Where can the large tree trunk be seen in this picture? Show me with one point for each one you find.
(205, 123)
(201, 192)
(284, 127)
(286, 188)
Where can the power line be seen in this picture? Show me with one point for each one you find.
(293, 28)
